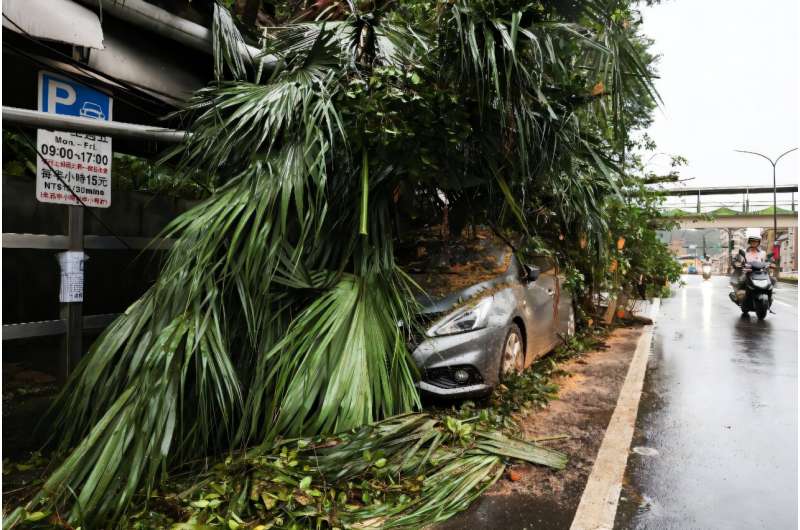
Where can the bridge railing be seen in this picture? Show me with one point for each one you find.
(732, 200)
(750, 207)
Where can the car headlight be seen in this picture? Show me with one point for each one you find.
(465, 319)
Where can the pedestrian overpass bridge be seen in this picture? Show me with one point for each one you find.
(732, 207)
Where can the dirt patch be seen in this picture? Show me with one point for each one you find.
(26, 395)
(542, 498)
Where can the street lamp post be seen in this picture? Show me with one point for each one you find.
(774, 188)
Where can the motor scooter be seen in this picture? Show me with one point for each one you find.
(706, 271)
(757, 294)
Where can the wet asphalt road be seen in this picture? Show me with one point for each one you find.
(720, 408)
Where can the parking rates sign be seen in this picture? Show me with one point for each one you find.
(82, 161)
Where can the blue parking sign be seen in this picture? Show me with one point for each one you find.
(73, 168)
(61, 95)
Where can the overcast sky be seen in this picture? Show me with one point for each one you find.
(729, 80)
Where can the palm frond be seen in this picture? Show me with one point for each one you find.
(348, 338)
(233, 123)
(228, 46)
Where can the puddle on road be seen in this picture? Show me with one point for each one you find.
(648, 505)
(637, 511)
(645, 451)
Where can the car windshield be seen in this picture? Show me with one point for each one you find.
(443, 266)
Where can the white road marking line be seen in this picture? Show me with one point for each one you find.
(776, 301)
(598, 505)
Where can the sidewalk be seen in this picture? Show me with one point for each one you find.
(545, 499)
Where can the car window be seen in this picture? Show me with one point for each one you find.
(442, 267)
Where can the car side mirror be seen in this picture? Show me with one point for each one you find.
(532, 273)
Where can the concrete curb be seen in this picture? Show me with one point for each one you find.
(598, 505)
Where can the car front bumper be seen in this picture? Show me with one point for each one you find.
(466, 391)
(477, 351)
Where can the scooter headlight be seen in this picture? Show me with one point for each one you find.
(762, 284)
(465, 319)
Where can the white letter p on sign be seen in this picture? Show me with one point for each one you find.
(53, 97)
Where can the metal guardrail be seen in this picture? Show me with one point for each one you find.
(73, 323)
(61, 242)
(45, 328)
(748, 209)
(744, 205)
(117, 129)
(730, 190)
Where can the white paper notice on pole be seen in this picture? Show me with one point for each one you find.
(71, 263)
(82, 161)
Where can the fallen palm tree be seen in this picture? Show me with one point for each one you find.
(276, 312)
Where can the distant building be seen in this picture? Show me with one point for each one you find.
(788, 246)
(724, 237)
(677, 247)
(739, 237)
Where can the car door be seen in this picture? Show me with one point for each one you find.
(539, 298)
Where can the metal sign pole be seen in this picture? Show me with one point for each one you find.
(84, 163)
(72, 312)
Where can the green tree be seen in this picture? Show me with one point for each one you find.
(276, 313)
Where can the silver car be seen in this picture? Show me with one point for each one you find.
(499, 325)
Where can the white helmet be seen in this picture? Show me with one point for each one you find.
(753, 233)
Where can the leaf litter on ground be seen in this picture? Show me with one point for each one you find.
(403, 472)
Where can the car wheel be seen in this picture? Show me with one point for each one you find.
(513, 353)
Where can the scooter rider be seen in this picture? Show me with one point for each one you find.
(743, 259)
(706, 268)
(753, 252)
